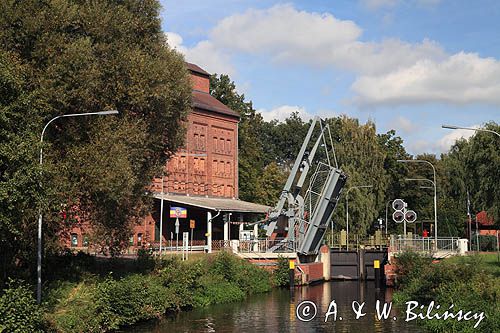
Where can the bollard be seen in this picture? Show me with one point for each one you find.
(291, 273)
(376, 267)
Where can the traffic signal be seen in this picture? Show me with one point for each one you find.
(398, 204)
(398, 216)
(401, 214)
(410, 216)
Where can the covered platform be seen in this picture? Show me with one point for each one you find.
(217, 221)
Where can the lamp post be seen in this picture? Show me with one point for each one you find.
(347, 210)
(435, 192)
(468, 202)
(434, 185)
(39, 252)
(470, 128)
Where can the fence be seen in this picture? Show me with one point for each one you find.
(449, 244)
(339, 241)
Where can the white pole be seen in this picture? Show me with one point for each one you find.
(177, 234)
(209, 232)
(161, 218)
(40, 218)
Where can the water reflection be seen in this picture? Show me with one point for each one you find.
(275, 312)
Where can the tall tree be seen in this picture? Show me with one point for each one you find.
(473, 166)
(66, 56)
(361, 156)
(250, 147)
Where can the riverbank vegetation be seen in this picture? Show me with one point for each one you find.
(90, 298)
(470, 283)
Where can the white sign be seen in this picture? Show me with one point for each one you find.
(185, 240)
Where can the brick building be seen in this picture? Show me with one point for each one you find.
(202, 177)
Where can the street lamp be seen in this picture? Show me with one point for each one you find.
(424, 187)
(468, 202)
(39, 254)
(435, 192)
(347, 210)
(470, 128)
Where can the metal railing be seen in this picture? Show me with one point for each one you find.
(356, 241)
(265, 245)
(426, 244)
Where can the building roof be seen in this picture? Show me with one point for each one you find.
(196, 69)
(215, 204)
(204, 101)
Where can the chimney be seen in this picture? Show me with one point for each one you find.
(199, 78)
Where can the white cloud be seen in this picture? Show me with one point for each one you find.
(282, 112)
(388, 72)
(174, 40)
(442, 145)
(460, 79)
(205, 54)
(402, 124)
(449, 139)
(288, 35)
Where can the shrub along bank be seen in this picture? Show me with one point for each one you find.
(100, 304)
(469, 283)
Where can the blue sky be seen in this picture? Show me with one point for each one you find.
(409, 65)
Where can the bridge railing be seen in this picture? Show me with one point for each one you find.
(425, 244)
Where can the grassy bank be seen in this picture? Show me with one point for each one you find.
(91, 298)
(470, 283)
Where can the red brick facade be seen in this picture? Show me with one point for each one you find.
(207, 165)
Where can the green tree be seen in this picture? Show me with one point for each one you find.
(361, 156)
(472, 166)
(250, 147)
(61, 57)
(270, 184)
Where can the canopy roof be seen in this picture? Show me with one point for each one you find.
(215, 204)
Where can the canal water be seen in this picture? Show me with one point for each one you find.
(276, 311)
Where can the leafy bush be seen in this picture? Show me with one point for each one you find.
(486, 243)
(174, 285)
(462, 282)
(216, 290)
(281, 274)
(410, 264)
(248, 277)
(18, 310)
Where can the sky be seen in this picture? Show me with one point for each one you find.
(408, 65)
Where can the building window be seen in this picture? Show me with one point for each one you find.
(221, 169)
(196, 165)
(202, 142)
(202, 166)
(131, 240)
(139, 239)
(74, 240)
(221, 146)
(85, 240)
(196, 141)
(214, 168)
(228, 170)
